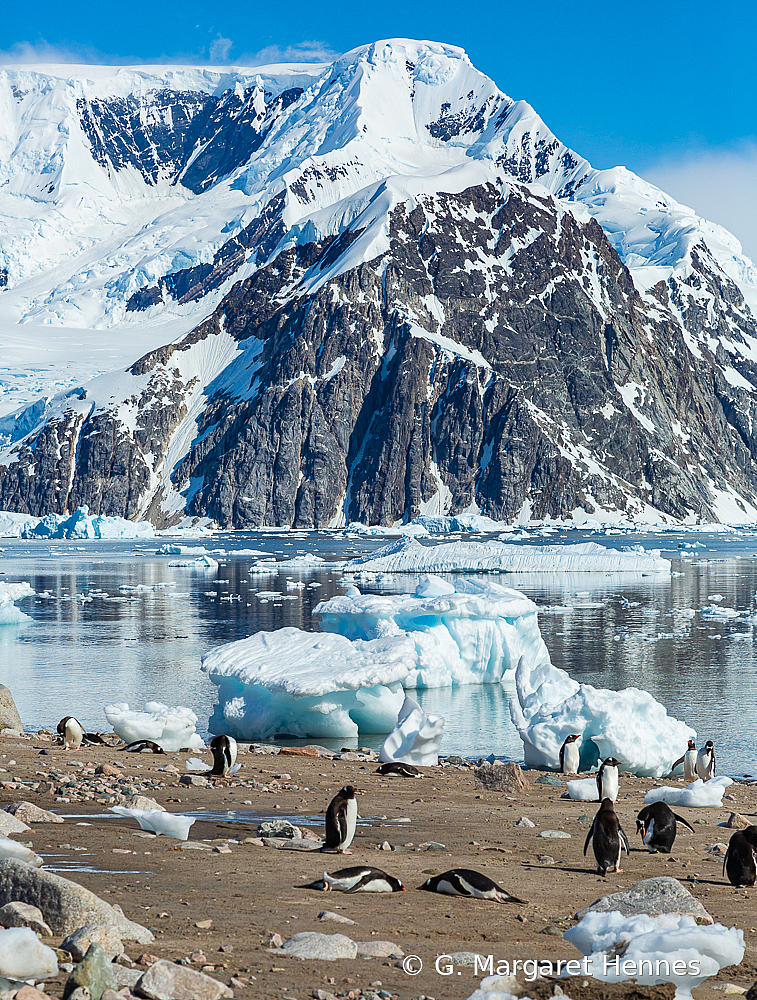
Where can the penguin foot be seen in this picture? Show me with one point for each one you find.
(344, 852)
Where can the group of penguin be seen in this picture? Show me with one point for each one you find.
(656, 823)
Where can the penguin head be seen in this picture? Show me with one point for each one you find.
(573, 737)
(692, 745)
(708, 746)
(611, 762)
(348, 792)
(426, 885)
(607, 806)
(641, 828)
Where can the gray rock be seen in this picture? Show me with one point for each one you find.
(10, 825)
(27, 812)
(327, 947)
(106, 935)
(738, 822)
(167, 981)
(545, 859)
(280, 828)
(549, 779)
(555, 834)
(95, 972)
(653, 896)
(127, 977)
(139, 802)
(525, 821)
(193, 779)
(9, 717)
(17, 914)
(336, 917)
(79, 993)
(65, 905)
(501, 776)
(465, 959)
(380, 949)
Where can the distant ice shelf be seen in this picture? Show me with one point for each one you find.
(81, 524)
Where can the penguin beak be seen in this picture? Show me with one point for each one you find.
(403, 889)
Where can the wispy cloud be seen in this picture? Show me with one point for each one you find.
(220, 48)
(720, 185)
(307, 52)
(43, 52)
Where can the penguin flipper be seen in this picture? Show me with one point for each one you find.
(363, 880)
(562, 757)
(679, 761)
(342, 821)
(680, 819)
(623, 837)
(725, 859)
(589, 835)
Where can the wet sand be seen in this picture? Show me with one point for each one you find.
(252, 892)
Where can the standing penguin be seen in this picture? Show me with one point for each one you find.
(224, 754)
(657, 825)
(706, 762)
(608, 839)
(341, 820)
(690, 762)
(740, 861)
(608, 781)
(72, 732)
(570, 754)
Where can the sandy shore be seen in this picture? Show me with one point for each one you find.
(251, 892)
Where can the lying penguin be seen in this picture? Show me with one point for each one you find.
(608, 839)
(143, 746)
(362, 878)
(397, 769)
(657, 825)
(466, 882)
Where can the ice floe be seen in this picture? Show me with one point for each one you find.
(629, 724)
(583, 790)
(171, 728)
(23, 956)
(17, 852)
(158, 821)
(81, 524)
(408, 555)
(666, 949)
(9, 594)
(698, 793)
(416, 737)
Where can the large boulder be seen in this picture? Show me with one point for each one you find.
(106, 935)
(24, 915)
(501, 776)
(28, 812)
(9, 717)
(65, 905)
(652, 896)
(167, 981)
(95, 972)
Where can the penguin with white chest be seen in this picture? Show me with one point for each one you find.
(689, 761)
(341, 820)
(607, 838)
(706, 762)
(224, 755)
(656, 823)
(398, 769)
(608, 781)
(72, 732)
(466, 882)
(361, 878)
(570, 754)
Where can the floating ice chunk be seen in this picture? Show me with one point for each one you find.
(440, 525)
(698, 793)
(267, 567)
(10, 849)
(23, 956)
(171, 728)
(181, 550)
(434, 586)
(202, 562)
(583, 790)
(158, 821)
(9, 594)
(416, 737)
(380, 530)
(666, 949)
(82, 524)
(407, 555)
(629, 724)
(720, 613)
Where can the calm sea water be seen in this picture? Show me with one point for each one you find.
(92, 642)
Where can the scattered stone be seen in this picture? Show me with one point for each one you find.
(583, 818)
(204, 925)
(501, 776)
(545, 859)
(9, 824)
(17, 914)
(167, 981)
(719, 849)
(65, 905)
(79, 993)
(222, 849)
(738, 822)
(147, 959)
(193, 779)
(555, 834)
(279, 828)
(322, 995)
(273, 941)
(432, 845)
(700, 822)
(140, 802)
(109, 769)
(386, 846)
(652, 896)
(465, 959)
(112, 995)
(9, 717)
(127, 977)
(336, 917)
(27, 812)
(106, 935)
(300, 751)
(95, 972)
(380, 949)
(192, 845)
(725, 987)
(525, 821)
(29, 993)
(552, 930)
(326, 947)
(549, 779)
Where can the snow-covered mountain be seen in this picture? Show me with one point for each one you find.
(301, 295)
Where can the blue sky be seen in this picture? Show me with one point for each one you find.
(667, 89)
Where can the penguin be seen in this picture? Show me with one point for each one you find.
(72, 732)
(706, 762)
(341, 819)
(224, 755)
(139, 746)
(740, 861)
(359, 879)
(396, 769)
(689, 761)
(570, 754)
(656, 824)
(607, 780)
(608, 838)
(466, 882)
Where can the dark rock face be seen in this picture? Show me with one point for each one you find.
(497, 353)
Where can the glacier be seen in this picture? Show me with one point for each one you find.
(408, 555)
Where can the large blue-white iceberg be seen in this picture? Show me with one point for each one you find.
(9, 594)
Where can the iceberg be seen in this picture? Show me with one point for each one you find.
(416, 737)
(629, 724)
(82, 524)
(171, 728)
(698, 794)
(352, 677)
(9, 594)
(670, 948)
(408, 555)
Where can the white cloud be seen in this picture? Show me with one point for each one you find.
(219, 49)
(721, 186)
(307, 52)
